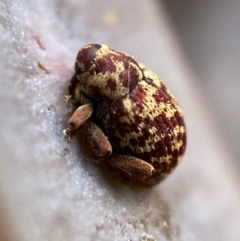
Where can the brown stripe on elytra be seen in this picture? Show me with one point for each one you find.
(179, 137)
(174, 162)
(165, 125)
(175, 120)
(169, 143)
(148, 156)
(161, 93)
(137, 96)
(164, 128)
(160, 125)
(171, 123)
(164, 167)
(160, 148)
(182, 149)
(175, 154)
(148, 127)
(164, 94)
(179, 118)
(161, 96)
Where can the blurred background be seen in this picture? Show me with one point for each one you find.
(209, 32)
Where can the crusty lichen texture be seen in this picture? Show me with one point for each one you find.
(128, 116)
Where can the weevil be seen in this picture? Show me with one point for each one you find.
(128, 116)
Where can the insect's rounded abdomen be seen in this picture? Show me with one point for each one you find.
(149, 125)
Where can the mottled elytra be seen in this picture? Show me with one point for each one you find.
(128, 116)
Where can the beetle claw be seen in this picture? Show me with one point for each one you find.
(69, 134)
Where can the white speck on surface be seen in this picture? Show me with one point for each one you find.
(147, 237)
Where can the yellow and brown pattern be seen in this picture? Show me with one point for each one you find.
(148, 124)
(133, 108)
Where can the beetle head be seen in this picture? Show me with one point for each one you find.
(105, 73)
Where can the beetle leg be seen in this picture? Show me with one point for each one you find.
(79, 116)
(97, 140)
(134, 167)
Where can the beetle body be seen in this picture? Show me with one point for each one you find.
(133, 121)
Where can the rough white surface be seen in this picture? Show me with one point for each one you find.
(50, 189)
